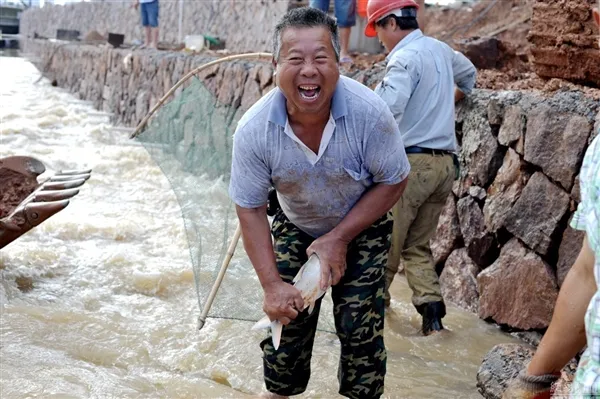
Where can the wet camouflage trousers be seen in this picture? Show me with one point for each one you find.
(416, 216)
(359, 308)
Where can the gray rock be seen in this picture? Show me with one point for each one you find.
(477, 192)
(518, 290)
(535, 216)
(499, 366)
(480, 156)
(555, 142)
(512, 130)
(504, 191)
(447, 234)
(458, 281)
(495, 112)
(479, 243)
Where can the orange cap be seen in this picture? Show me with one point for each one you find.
(376, 9)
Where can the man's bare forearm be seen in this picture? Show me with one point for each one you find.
(458, 95)
(257, 243)
(374, 204)
(566, 333)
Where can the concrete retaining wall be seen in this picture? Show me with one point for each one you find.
(245, 25)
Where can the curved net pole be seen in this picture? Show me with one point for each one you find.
(220, 276)
(144, 121)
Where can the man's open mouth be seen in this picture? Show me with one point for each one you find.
(309, 92)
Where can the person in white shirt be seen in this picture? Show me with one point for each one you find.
(419, 88)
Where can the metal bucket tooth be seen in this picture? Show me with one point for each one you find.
(38, 212)
(62, 185)
(74, 172)
(69, 177)
(54, 195)
(26, 218)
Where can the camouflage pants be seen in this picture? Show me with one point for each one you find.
(359, 311)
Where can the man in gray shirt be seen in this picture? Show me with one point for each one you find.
(333, 152)
(419, 88)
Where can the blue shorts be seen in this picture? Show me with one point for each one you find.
(344, 10)
(149, 13)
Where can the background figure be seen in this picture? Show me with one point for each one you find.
(345, 13)
(149, 15)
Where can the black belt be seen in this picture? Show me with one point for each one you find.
(421, 150)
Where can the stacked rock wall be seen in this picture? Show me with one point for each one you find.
(503, 238)
(245, 25)
(564, 40)
(503, 244)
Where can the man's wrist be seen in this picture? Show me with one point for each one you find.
(271, 281)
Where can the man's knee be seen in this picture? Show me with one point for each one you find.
(286, 370)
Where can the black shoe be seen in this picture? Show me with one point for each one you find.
(432, 313)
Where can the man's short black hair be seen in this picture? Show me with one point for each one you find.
(306, 17)
(404, 23)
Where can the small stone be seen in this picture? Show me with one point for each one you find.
(495, 112)
(458, 281)
(477, 192)
(535, 216)
(518, 290)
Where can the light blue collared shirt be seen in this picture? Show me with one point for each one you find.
(419, 89)
(361, 146)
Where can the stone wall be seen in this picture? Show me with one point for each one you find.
(503, 243)
(245, 25)
(565, 41)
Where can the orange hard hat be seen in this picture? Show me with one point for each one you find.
(376, 9)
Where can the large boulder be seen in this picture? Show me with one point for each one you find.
(499, 366)
(536, 215)
(555, 141)
(518, 290)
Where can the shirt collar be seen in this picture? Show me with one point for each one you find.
(278, 111)
(411, 37)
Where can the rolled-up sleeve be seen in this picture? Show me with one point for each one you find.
(396, 88)
(385, 157)
(250, 175)
(465, 73)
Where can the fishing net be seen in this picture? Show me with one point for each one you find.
(190, 138)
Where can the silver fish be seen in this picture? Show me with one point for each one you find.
(307, 281)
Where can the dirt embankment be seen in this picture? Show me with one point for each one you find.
(511, 43)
